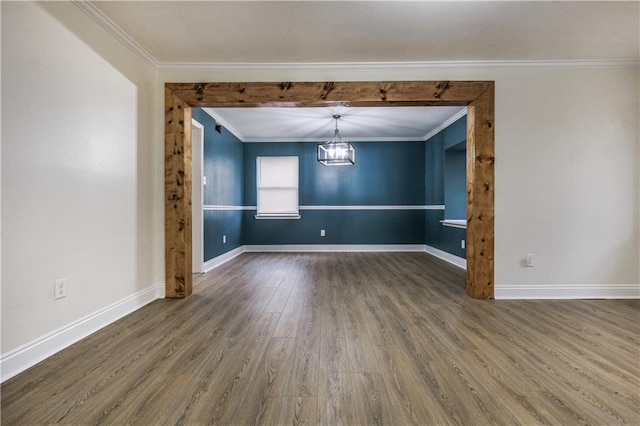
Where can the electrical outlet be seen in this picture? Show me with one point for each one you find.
(528, 260)
(322, 233)
(60, 288)
(204, 180)
(462, 244)
(224, 239)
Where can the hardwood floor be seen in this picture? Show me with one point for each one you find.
(343, 339)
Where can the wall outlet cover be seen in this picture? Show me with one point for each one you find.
(528, 260)
(60, 288)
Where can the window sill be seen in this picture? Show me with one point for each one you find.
(455, 223)
(277, 216)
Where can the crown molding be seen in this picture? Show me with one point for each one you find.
(422, 65)
(96, 14)
(445, 124)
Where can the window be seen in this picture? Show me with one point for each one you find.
(277, 187)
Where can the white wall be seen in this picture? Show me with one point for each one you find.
(567, 149)
(77, 179)
(568, 180)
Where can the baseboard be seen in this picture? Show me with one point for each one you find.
(448, 257)
(336, 248)
(550, 291)
(219, 260)
(37, 350)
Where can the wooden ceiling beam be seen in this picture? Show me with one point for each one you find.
(310, 94)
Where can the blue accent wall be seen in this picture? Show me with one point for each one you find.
(455, 181)
(341, 226)
(385, 173)
(434, 170)
(445, 183)
(223, 167)
(442, 237)
(455, 133)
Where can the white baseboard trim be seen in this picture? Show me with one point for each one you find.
(219, 260)
(448, 257)
(30, 354)
(550, 291)
(336, 248)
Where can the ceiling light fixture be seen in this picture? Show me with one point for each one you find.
(336, 152)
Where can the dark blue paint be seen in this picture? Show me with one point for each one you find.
(445, 183)
(385, 173)
(442, 237)
(455, 182)
(341, 226)
(218, 223)
(455, 133)
(434, 170)
(222, 165)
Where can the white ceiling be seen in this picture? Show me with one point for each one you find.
(317, 124)
(374, 31)
(186, 33)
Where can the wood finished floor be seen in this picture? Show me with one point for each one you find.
(348, 339)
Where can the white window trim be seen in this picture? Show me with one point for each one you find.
(288, 181)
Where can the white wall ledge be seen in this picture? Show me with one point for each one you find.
(277, 216)
(455, 223)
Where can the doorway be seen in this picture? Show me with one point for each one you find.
(197, 195)
(477, 96)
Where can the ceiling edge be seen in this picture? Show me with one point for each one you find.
(96, 14)
(93, 12)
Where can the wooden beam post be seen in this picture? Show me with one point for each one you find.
(480, 196)
(177, 183)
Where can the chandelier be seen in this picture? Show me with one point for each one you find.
(336, 152)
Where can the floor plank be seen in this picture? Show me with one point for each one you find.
(342, 339)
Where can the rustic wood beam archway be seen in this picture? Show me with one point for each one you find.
(478, 96)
